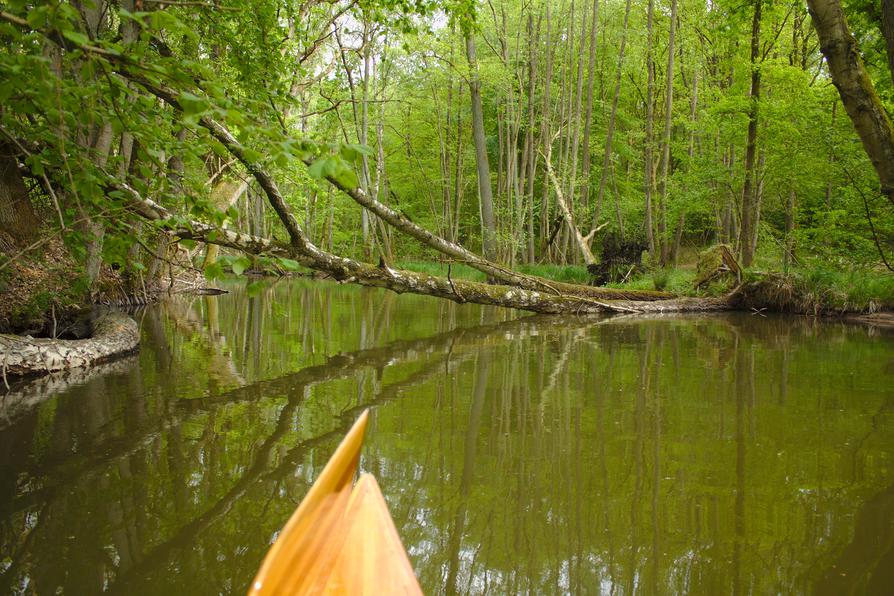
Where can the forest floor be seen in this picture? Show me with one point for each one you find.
(46, 290)
(36, 289)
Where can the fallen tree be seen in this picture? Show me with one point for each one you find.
(114, 334)
(550, 300)
(522, 292)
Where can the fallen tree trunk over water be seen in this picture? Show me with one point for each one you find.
(524, 292)
(114, 334)
(550, 300)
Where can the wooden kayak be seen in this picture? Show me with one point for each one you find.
(341, 538)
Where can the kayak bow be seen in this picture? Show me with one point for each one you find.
(341, 538)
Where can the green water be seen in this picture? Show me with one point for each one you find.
(709, 455)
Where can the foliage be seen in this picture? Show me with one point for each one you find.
(375, 94)
(819, 290)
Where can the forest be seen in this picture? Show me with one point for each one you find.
(608, 285)
(550, 149)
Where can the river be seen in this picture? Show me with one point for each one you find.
(716, 454)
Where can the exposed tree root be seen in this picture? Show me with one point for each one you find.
(114, 334)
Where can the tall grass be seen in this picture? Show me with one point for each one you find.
(573, 274)
(820, 290)
(676, 281)
(576, 274)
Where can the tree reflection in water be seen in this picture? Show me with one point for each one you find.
(717, 454)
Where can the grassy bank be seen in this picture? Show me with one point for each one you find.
(819, 290)
(575, 274)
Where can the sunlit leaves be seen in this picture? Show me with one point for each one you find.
(192, 104)
(333, 166)
(240, 264)
(289, 264)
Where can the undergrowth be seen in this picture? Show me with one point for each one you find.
(819, 290)
(675, 281)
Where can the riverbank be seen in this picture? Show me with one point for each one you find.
(810, 290)
(45, 293)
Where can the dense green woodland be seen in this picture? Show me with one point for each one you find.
(527, 132)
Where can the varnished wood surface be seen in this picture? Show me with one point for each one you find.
(372, 559)
(341, 539)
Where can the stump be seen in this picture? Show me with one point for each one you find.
(715, 263)
(619, 259)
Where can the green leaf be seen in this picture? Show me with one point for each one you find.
(34, 163)
(240, 265)
(76, 38)
(316, 169)
(289, 264)
(345, 175)
(37, 16)
(354, 152)
(251, 155)
(192, 104)
(214, 270)
(324, 167)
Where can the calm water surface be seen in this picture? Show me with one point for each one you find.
(713, 455)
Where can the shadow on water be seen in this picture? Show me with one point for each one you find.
(704, 454)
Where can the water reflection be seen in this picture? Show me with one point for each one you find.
(731, 454)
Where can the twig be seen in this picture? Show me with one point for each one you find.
(878, 245)
(177, 3)
(462, 300)
(38, 243)
(43, 177)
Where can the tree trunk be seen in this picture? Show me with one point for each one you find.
(364, 139)
(888, 32)
(17, 217)
(532, 153)
(788, 255)
(749, 190)
(583, 243)
(607, 154)
(664, 241)
(94, 230)
(830, 171)
(588, 110)
(485, 193)
(576, 123)
(545, 132)
(647, 145)
(224, 196)
(860, 100)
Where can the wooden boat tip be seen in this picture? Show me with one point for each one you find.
(341, 539)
